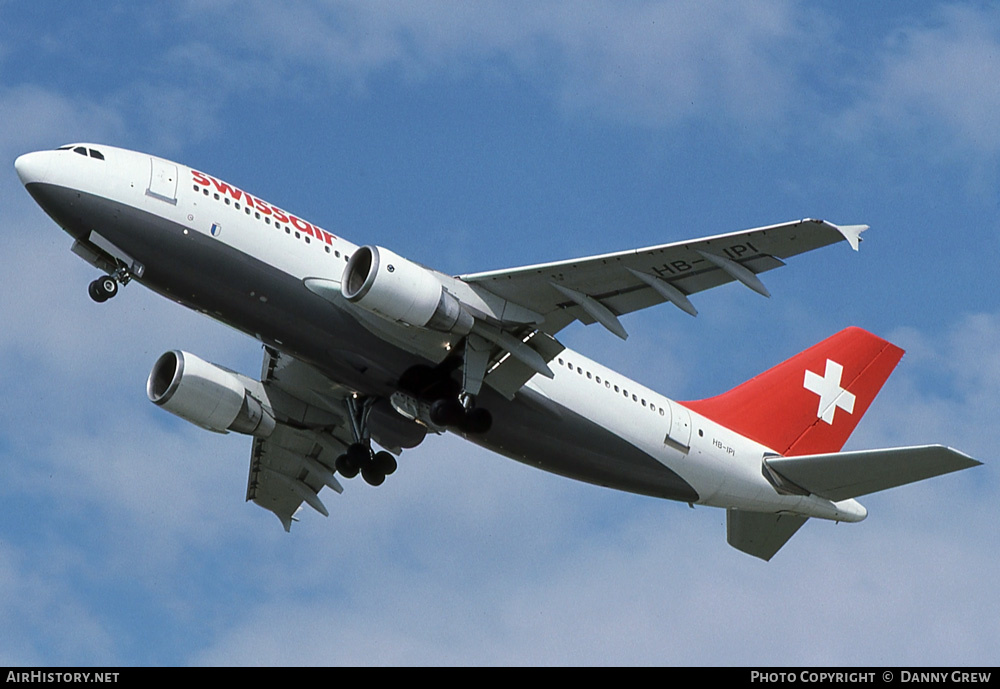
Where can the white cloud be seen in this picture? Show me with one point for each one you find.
(36, 117)
(939, 76)
(37, 603)
(651, 63)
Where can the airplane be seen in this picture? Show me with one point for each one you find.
(365, 348)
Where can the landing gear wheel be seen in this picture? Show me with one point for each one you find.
(95, 292)
(477, 421)
(109, 286)
(372, 476)
(447, 412)
(345, 467)
(102, 289)
(384, 462)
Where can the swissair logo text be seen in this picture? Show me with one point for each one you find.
(831, 395)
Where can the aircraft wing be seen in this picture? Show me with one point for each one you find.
(313, 428)
(601, 288)
(297, 460)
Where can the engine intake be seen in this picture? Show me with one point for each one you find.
(207, 395)
(386, 284)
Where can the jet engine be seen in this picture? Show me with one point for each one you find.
(381, 281)
(207, 395)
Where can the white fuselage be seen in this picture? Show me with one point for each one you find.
(722, 467)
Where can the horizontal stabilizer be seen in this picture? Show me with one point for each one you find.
(758, 533)
(841, 475)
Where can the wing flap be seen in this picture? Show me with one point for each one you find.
(842, 475)
(510, 374)
(297, 460)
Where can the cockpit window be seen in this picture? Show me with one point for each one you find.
(82, 150)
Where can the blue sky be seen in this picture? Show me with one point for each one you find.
(472, 136)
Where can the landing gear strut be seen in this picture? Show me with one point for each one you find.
(373, 466)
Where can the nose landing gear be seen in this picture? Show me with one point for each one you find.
(103, 288)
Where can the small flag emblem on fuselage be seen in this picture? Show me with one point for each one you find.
(216, 229)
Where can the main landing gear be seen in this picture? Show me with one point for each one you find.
(462, 414)
(451, 406)
(103, 288)
(360, 458)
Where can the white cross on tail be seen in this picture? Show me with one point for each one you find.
(831, 395)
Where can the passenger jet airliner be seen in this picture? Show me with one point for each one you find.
(362, 345)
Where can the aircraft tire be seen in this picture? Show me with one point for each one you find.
(447, 412)
(372, 476)
(384, 462)
(345, 467)
(95, 292)
(109, 286)
(477, 421)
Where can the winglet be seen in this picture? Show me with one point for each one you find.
(852, 233)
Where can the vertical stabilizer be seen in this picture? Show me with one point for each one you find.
(760, 534)
(811, 403)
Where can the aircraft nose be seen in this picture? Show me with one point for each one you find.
(32, 167)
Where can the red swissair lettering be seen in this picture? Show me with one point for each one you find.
(261, 206)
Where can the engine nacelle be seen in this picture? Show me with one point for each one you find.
(385, 283)
(206, 395)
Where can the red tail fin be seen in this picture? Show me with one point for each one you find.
(811, 403)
